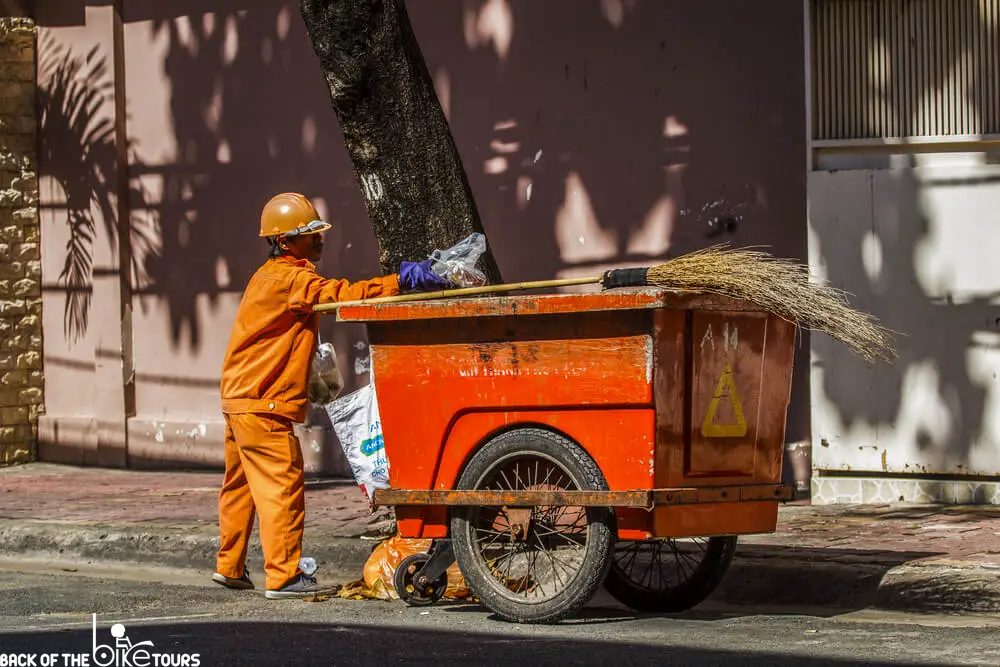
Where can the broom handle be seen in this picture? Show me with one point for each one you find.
(463, 291)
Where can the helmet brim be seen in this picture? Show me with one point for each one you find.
(313, 227)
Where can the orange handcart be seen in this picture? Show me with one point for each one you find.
(550, 443)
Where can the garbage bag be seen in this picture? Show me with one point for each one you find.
(386, 557)
(358, 427)
(458, 263)
(325, 380)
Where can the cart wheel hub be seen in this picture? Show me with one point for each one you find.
(519, 523)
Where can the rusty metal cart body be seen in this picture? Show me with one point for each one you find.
(551, 441)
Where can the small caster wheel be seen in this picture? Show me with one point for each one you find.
(414, 593)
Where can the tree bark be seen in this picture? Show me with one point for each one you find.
(405, 160)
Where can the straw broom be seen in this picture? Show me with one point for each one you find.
(779, 286)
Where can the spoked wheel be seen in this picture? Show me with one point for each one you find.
(668, 575)
(417, 593)
(539, 564)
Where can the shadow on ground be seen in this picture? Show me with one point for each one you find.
(826, 581)
(770, 580)
(304, 643)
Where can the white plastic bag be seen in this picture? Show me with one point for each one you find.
(358, 427)
(325, 379)
(458, 263)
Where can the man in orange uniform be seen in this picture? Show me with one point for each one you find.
(264, 391)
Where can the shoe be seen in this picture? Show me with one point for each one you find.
(302, 587)
(241, 584)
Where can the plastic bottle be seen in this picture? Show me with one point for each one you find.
(308, 566)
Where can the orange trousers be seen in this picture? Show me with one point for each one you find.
(264, 476)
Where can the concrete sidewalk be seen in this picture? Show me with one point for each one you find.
(835, 557)
(166, 519)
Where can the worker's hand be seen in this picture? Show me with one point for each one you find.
(418, 277)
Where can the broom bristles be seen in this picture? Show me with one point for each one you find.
(782, 287)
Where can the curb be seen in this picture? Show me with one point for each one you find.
(180, 547)
(942, 586)
(775, 575)
(761, 576)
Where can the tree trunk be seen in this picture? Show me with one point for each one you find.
(405, 160)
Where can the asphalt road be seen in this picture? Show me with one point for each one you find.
(46, 613)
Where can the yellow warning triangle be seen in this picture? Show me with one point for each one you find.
(724, 387)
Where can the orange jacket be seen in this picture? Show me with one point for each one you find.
(266, 369)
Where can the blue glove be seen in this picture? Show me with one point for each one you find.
(418, 277)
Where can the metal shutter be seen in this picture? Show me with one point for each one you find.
(905, 68)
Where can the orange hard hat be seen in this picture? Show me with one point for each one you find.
(290, 214)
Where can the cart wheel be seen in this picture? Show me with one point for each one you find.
(408, 590)
(668, 575)
(535, 564)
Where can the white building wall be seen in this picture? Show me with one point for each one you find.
(918, 247)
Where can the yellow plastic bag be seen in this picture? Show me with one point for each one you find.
(382, 564)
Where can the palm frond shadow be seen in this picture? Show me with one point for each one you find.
(74, 107)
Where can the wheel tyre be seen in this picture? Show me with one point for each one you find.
(718, 555)
(578, 465)
(402, 581)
